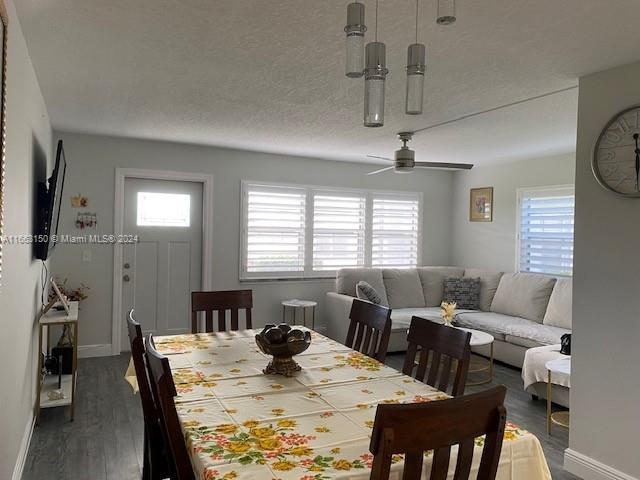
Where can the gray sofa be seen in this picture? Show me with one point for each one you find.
(521, 310)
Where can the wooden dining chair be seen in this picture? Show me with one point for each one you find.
(164, 390)
(369, 329)
(415, 428)
(437, 346)
(154, 465)
(209, 302)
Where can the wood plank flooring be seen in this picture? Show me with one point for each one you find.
(105, 440)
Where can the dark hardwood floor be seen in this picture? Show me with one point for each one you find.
(105, 440)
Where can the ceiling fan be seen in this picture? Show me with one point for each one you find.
(405, 159)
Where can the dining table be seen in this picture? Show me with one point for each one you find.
(239, 423)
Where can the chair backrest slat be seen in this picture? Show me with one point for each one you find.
(164, 391)
(415, 428)
(369, 329)
(220, 302)
(445, 344)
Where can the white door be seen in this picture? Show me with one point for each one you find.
(160, 271)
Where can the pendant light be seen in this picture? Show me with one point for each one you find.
(374, 81)
(355, 39)
(416, 67)
(446, 12)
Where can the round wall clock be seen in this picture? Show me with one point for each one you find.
(616, 158)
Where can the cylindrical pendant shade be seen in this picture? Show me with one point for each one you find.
(416, 66)
(374, 83)
(355, 56)
(446, 12)
(355, 40)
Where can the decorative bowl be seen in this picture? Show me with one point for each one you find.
(282, 342)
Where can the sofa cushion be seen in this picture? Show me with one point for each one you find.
(403, 287)
(432, 279)
(494, 323)
(558, 312)
(465, 292)
(534, 335)
(401, 317)
(523, 295)
(364, 291)
(347, 278)
(489, 281)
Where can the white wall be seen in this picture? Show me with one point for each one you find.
(91, 169)
(28, 146)
(605, 395)
(492, 245)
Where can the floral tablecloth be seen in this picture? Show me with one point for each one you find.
(241, 424)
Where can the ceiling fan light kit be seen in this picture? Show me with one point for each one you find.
(355, 30)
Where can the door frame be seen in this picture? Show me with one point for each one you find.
(207, 234)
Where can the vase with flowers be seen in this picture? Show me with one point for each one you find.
(448, 312)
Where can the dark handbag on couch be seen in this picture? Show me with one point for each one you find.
(565, 344)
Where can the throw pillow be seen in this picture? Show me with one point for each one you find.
(364, 291)
(464, 291)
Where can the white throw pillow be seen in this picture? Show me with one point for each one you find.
(560, 304)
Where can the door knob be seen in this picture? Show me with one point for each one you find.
(126, 278)
(127, 266)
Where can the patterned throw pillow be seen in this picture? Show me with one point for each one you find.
(464, 291)
(364, 291)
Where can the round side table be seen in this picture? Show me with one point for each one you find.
(302, 305)
(479, 339)
(559, 366)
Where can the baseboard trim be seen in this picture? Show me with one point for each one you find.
(590, 469)
(88, 351)
(24, 448)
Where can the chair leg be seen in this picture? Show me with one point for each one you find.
(146, 461)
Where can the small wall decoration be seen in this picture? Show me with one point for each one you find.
(86, 220)
(481, 204)
(79, 201)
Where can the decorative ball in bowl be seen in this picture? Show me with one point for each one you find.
(282, 342)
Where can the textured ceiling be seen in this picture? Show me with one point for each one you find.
(268, 75)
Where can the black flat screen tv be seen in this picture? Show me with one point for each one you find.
(49, 204)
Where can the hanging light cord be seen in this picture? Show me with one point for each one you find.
(417, 10)
(377, 1)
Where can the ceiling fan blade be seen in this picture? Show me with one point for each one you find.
(382, 170)
(455, 166)
(380, 158)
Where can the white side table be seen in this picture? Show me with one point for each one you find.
(304, 306)
(480, 339)
(559, 366)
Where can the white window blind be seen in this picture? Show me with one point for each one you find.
(546, 231)
(338, 230)
(275, 229)
(395, 231)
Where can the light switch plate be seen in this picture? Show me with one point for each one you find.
(86, 255)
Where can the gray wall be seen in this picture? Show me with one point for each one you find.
(492, 245)
(605, 382)
(28, 146)
(92, 161)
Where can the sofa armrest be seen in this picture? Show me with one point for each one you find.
(338, 309)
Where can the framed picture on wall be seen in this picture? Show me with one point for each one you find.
(481, 204)
(3, 113)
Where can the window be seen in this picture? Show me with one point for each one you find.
(163, 209)
(396, 223)
(275, 229)
(338, 231)
(545, 230)
(293, 231)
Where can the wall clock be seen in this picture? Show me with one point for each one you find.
(616, 158)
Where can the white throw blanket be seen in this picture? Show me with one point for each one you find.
(534, 370)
